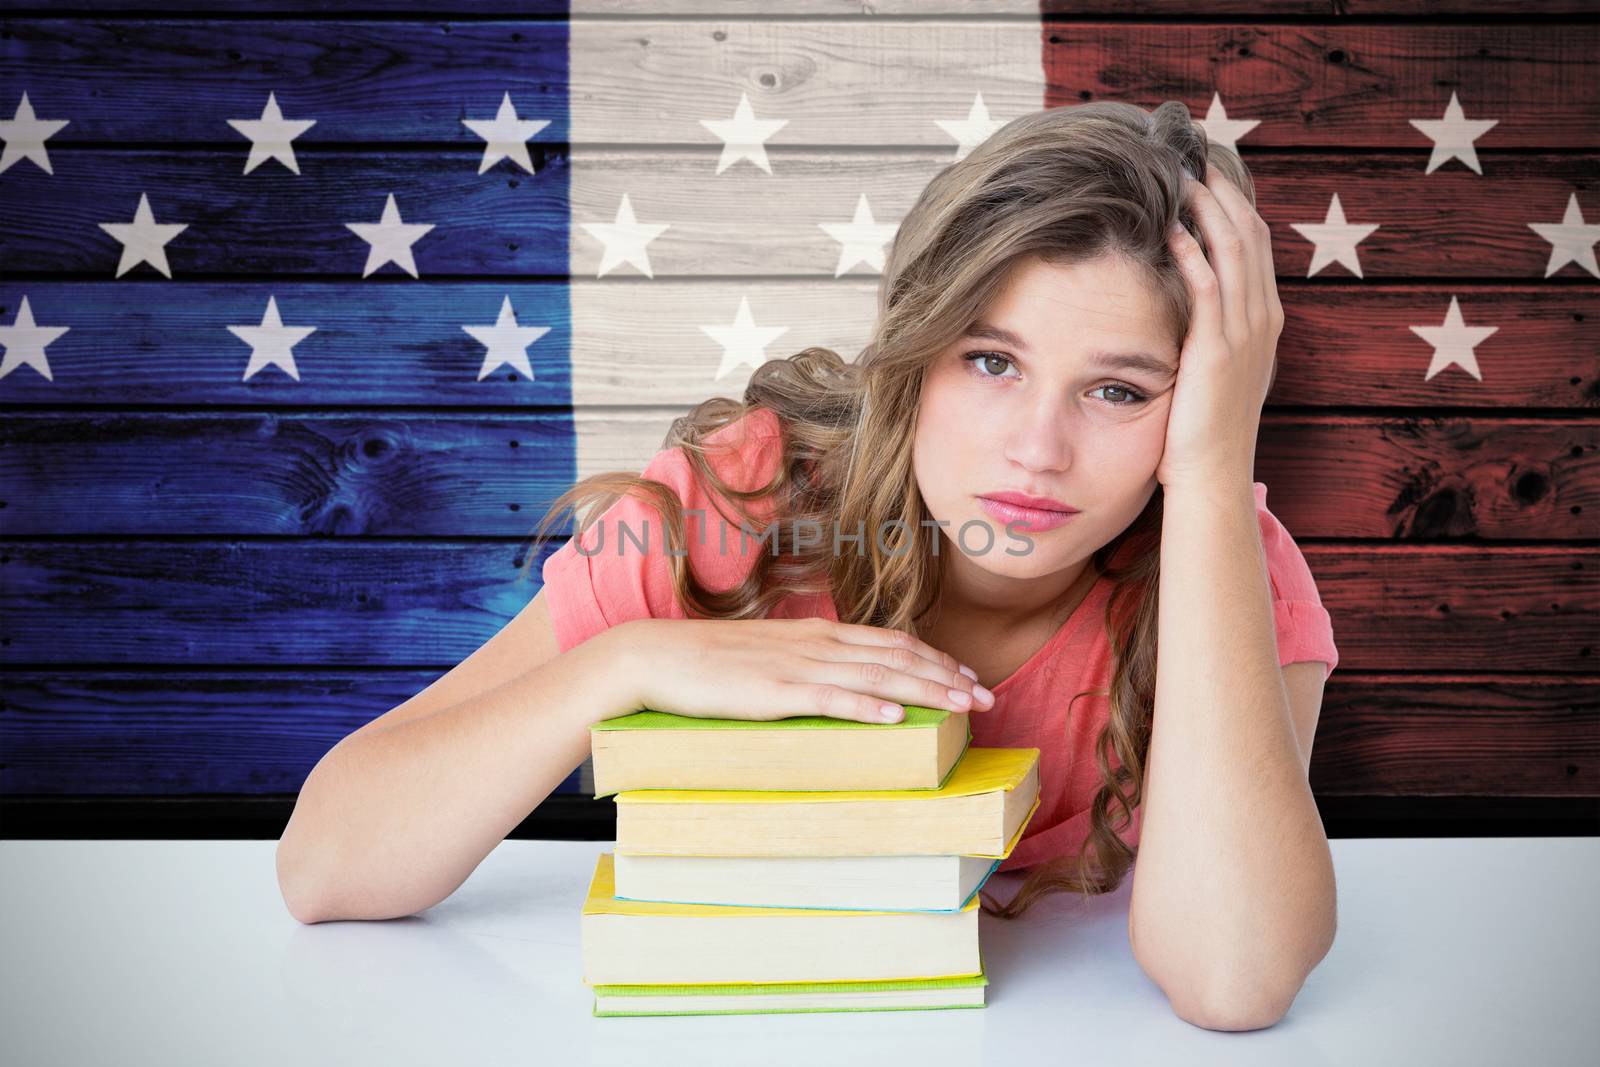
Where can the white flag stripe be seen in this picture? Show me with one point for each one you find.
(642, 342)
(837, 81)
(657, 236)
(612, 439)
(1025, 9)
(742, 222)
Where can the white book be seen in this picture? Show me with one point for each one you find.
(877, 883)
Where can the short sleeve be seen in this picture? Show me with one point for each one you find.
(612, 579)
(623, 571)
(1304, 627)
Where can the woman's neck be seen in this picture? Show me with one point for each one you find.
(995, 633)
(980, 599)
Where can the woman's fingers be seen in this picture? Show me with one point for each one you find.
(898, 675)
(880, 636)
(776, 668)
(943, 680)
(835, 701)
(1262, 288)
(1227, 248)
(1206, 317)
(904, 661)
(898, 666)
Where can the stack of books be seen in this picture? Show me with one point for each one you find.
(800, 864)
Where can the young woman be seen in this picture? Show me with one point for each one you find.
(1037, 473)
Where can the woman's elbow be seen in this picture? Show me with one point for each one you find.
(1217, 1006)
(294, 887)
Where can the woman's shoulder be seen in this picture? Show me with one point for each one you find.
(754, 440)
(1287, 568)
(619, 568)
(1304, 625)
(744, 453)
(756, 425)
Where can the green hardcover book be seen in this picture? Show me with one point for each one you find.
(912, 994)
(661, 750)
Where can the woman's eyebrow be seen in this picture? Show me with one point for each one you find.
(1145, 361)
(1134, 361)
(991, 332)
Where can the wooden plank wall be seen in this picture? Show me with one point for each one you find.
(208, 580)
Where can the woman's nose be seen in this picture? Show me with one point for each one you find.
(1039, 436)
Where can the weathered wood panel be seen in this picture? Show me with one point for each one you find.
(448, 475)
(177, 732)
(369, 542)
(1345, 343)
(184, 732)
(865, 82)
(1483, 735)
(1397, 608)
(1451, 223)
(1029, 10)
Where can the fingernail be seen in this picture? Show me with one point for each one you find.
(983, 694)
(890, 712)
(1177, 228)
(960, 696)
(969, 672)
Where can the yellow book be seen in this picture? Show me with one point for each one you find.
(989, 795)
(628, 942)
(940, 883)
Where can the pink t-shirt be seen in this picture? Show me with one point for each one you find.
(588, 593)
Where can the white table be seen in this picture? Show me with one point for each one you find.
(1449, 951)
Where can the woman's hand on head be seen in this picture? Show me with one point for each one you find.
(766, 669)
(1225, 365)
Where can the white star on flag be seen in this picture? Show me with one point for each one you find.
(973, 130)
(863, 238)
(507, 342)
(1453, 136)
(1453, 341)
(1571, 240)
(1220, 129)
(744, 136)
(744, 341)
(507, 136)
(270, 136)
(390, 239)
(271, 342)
(1335, 239)
(25, 136)
(625, 239)
(144, 240)
(25, 342)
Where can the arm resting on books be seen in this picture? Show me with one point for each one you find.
(397, 815)
(1233, 891)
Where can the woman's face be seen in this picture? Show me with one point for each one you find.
(1048, 412)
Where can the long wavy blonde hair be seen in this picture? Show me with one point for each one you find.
(1064, 184)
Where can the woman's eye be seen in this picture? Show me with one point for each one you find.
(983, 363)
(986, 360)
(1135, 397)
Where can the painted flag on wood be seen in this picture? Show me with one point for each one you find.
(306, 318)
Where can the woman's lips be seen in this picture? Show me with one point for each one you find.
(1024, 518)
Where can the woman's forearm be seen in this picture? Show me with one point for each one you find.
(392, 821)
(1233, 890)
